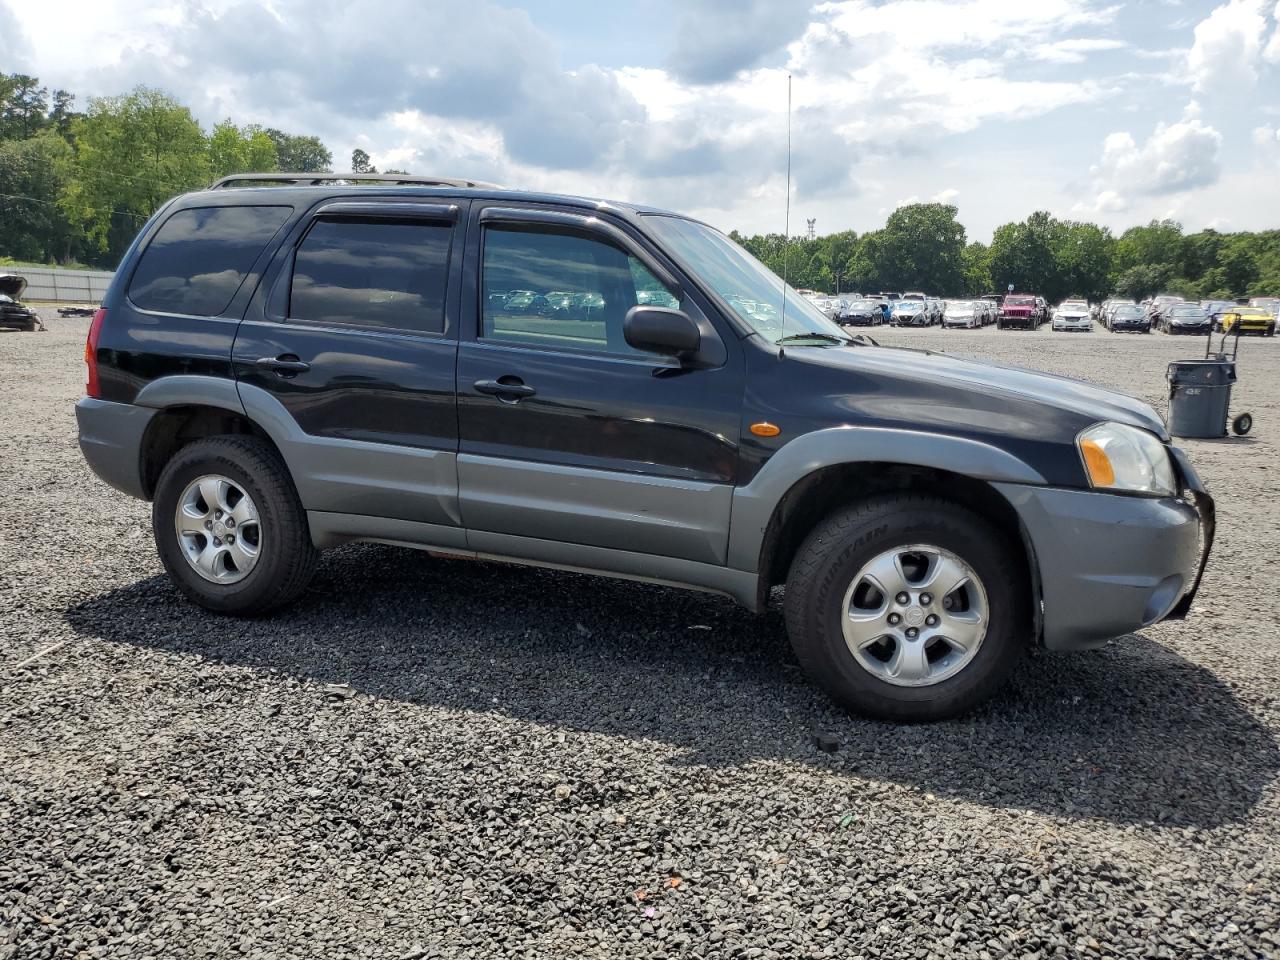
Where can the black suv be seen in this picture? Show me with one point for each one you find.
(284, 368)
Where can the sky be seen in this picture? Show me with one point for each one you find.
(1114, 112)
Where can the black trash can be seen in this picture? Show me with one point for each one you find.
(1199, 396)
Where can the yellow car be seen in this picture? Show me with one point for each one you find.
(1251, 320)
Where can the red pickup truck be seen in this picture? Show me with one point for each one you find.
(1025, 311)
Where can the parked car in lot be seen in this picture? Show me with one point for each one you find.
(863, 312)
(1021, 311)
(1215, 309)
(1250, 320)
(282, 370)
(1269, 304)
(911, 313)
(963, 313)
(1073, 315)
(1128, 317)
(1184, 318)
(1157, 306)
(937, 308)
(1108, 307)
(14, 315)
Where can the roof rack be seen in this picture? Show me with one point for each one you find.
(314, 179)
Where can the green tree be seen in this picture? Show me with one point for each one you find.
(32, 173)
(1239, 265)
(1023, 254)
(132, 153)
(299, 154)
(1159, 242)
(23, 106)
(360, 162)
(1143, 280)
(977, 269)
(922, 248)
(1083, 254)
(240, 150)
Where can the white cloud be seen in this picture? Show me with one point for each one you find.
(1176, 157)
(946, 196)
(1227, 46)
(1074, 50)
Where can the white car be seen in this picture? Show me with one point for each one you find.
(966, 314)
(1073, 315)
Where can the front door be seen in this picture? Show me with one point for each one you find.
(569, 435)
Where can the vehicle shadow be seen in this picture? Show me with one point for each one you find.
(1130, 734)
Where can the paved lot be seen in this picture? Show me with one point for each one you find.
(443, 758)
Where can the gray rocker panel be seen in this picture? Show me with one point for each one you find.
(602, 508)
(331, 529)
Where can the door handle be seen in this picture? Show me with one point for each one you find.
(507, 389)
(285, 365)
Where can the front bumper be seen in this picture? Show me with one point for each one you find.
(1112, 564)
(111, 436)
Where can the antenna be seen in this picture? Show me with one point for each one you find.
(786, 233)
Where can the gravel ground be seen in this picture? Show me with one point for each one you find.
(435, 757)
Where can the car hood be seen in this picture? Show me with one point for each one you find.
(1017, 307)
(1073, 314)
(12, 285)
(1089, 401)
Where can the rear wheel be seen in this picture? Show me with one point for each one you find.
(907, 608)
(229, 527)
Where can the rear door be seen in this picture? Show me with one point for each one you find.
(349, 355)
(569, 435)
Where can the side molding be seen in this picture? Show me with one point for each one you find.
(754, 504)
(190, 390)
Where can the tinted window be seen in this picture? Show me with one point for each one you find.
(562, 289)
(199, 258)
(373, 273)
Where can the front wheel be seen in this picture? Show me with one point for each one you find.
(229, 526)
(907, 607)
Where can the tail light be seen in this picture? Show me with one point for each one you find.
(91, 386)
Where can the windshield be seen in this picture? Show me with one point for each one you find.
(1129, 311)
(1188, 311)
(1019, 302)
(863, 305)
(909, 306)
(960, 306)
(752, 290)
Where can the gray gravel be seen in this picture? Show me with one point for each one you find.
(444, 758)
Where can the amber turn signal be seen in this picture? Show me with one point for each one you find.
(1101, 473)
(765, 429)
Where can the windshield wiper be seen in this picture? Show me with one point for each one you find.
(826, 337)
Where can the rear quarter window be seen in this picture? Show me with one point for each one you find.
(199, 257)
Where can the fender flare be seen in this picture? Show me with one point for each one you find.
(754, 504)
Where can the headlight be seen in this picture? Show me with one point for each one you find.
(1120, 457)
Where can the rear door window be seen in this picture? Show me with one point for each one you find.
(199, 257)
(389, 274)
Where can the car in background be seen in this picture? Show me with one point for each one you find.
(860, 312)
(1073, 315)
(1216, 309)
(911, 313)
(526, 302)
(1184, 318)
(1128, 316)
(1250, 320)
(1270, 304)
(937, 308)
(1109, 307)
(14, 315)
(966, 314)
(1022, 311)
(1157, 307)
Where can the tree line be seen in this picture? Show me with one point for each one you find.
(75, 186)
(923, 247)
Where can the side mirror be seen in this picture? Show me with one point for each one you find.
(661, 330)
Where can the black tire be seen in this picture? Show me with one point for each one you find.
(1242, 424)
(288, 558)
(837, 549)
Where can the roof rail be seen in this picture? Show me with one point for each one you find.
(314, 179)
